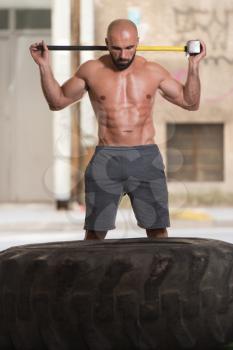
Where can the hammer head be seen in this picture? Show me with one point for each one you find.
(193, 47)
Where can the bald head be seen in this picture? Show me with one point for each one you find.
(122, 40)
(121, 26)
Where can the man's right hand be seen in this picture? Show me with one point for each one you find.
(41, 57)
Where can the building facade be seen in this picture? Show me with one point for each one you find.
(197, 147)
(26, 142)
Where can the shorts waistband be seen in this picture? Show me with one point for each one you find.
(122, 148)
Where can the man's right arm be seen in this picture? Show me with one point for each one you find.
(58, 97)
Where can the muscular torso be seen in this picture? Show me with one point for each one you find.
(123, 102)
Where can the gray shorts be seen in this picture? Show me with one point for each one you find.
(134, 170)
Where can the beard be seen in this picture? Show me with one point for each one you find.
(122, 64)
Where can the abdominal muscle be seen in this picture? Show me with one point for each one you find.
(125, 127)
(129, 126)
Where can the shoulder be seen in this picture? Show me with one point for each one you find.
(85, 68)
(156, 68)
(91, 66)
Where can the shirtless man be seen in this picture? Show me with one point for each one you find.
(122, 88)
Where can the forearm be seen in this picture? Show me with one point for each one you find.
(192, 87)
(51, 89)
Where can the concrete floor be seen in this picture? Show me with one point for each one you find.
(35, 223)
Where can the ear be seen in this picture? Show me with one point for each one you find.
(106, 41)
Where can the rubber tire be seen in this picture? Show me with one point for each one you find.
(143, 294)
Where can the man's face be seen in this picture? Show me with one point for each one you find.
(122, 48)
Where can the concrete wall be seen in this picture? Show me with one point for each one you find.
(25, 120)
(170, 22)
(25, 4)
(173, 23)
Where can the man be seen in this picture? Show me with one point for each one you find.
(122, 88)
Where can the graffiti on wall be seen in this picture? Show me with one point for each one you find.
(213, 27)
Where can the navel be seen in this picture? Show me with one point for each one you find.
(148, 96)
(103, 97)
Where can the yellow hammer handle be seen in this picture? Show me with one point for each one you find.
(161, 48)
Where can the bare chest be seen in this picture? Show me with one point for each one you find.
(119, 88)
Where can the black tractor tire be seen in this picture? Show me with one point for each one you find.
(129, 294)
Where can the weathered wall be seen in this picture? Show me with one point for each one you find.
(173, 23)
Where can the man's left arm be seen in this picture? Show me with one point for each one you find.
(186, 96)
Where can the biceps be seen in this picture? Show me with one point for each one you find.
(172, 89)
(73, 89)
